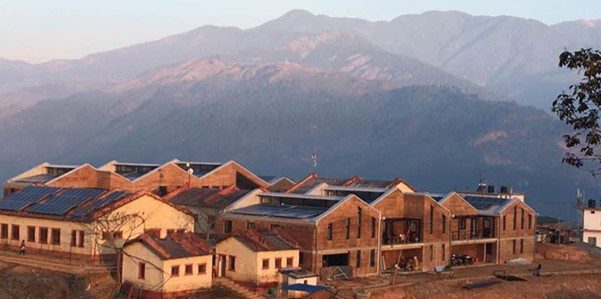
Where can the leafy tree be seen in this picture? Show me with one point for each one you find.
(579, 107)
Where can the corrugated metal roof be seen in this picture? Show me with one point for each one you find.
(265, 241)
(174, 245)
(208, 197)
(281, 211)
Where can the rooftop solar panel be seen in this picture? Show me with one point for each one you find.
(481, 203)
(106, 200)
(19, 200)
(59, 204)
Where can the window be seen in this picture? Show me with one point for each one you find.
(162, 190)
(431, 219)
(358, 258)
(513, 246)
(348, 228)
(522, 221)
(373, 227)
(232, 263)
(55, 236)
(175, 270)
(170, 231)
(289, 262)
(4, 231)
(515, 217)
(300, 258)
(31, 234)
(462, 223)
(265, 264)
(529, 221)
(274, 226)
(188, 269)
(81, 238)
(250, 225)
(504, 221)
(278, 263)
(444, 224)
(73, 238)
(359, 221)
(43, 235)
(228, 226)
(444, 252)
(202, 269)
(16, 232)
(142, 270)
(521, 245)
(372, 258)
(330, 228)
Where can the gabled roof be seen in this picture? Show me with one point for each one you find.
(174, 245)
(264, 240)
(313, 180)
(28, 177)
(489, 205)
(71, 204)
(207, 197)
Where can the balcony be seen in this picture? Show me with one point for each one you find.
(468, 228)
(401, 231)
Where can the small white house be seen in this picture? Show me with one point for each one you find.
(591, 233)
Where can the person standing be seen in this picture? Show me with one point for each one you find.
(22, 248)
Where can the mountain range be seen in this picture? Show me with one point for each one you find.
(437, 98)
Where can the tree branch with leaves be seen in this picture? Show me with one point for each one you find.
(579, 107)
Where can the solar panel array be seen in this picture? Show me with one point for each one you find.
(19, 200)
(485, 203)
(59, 204)
(284, 211)
(106, 200)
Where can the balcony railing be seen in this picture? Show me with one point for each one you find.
(411, 238)
(472, 235)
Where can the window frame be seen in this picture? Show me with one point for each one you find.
(4, 235)
(278, 262)
(202, 269)
(175, 271)
(43, 240)
(31, 234)
(55, 236)
(189, 267)
(228, 226)
(15, 228)
(232, 263)
(142, 270)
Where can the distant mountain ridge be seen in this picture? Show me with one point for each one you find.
(514, 58)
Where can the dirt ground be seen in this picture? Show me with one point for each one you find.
(560, 286)
(23, 282)
(567, 272)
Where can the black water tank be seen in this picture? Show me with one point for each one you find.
(504, 190)
(592, 203)
(491, 189)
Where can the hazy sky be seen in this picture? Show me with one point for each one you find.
(41, 30)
